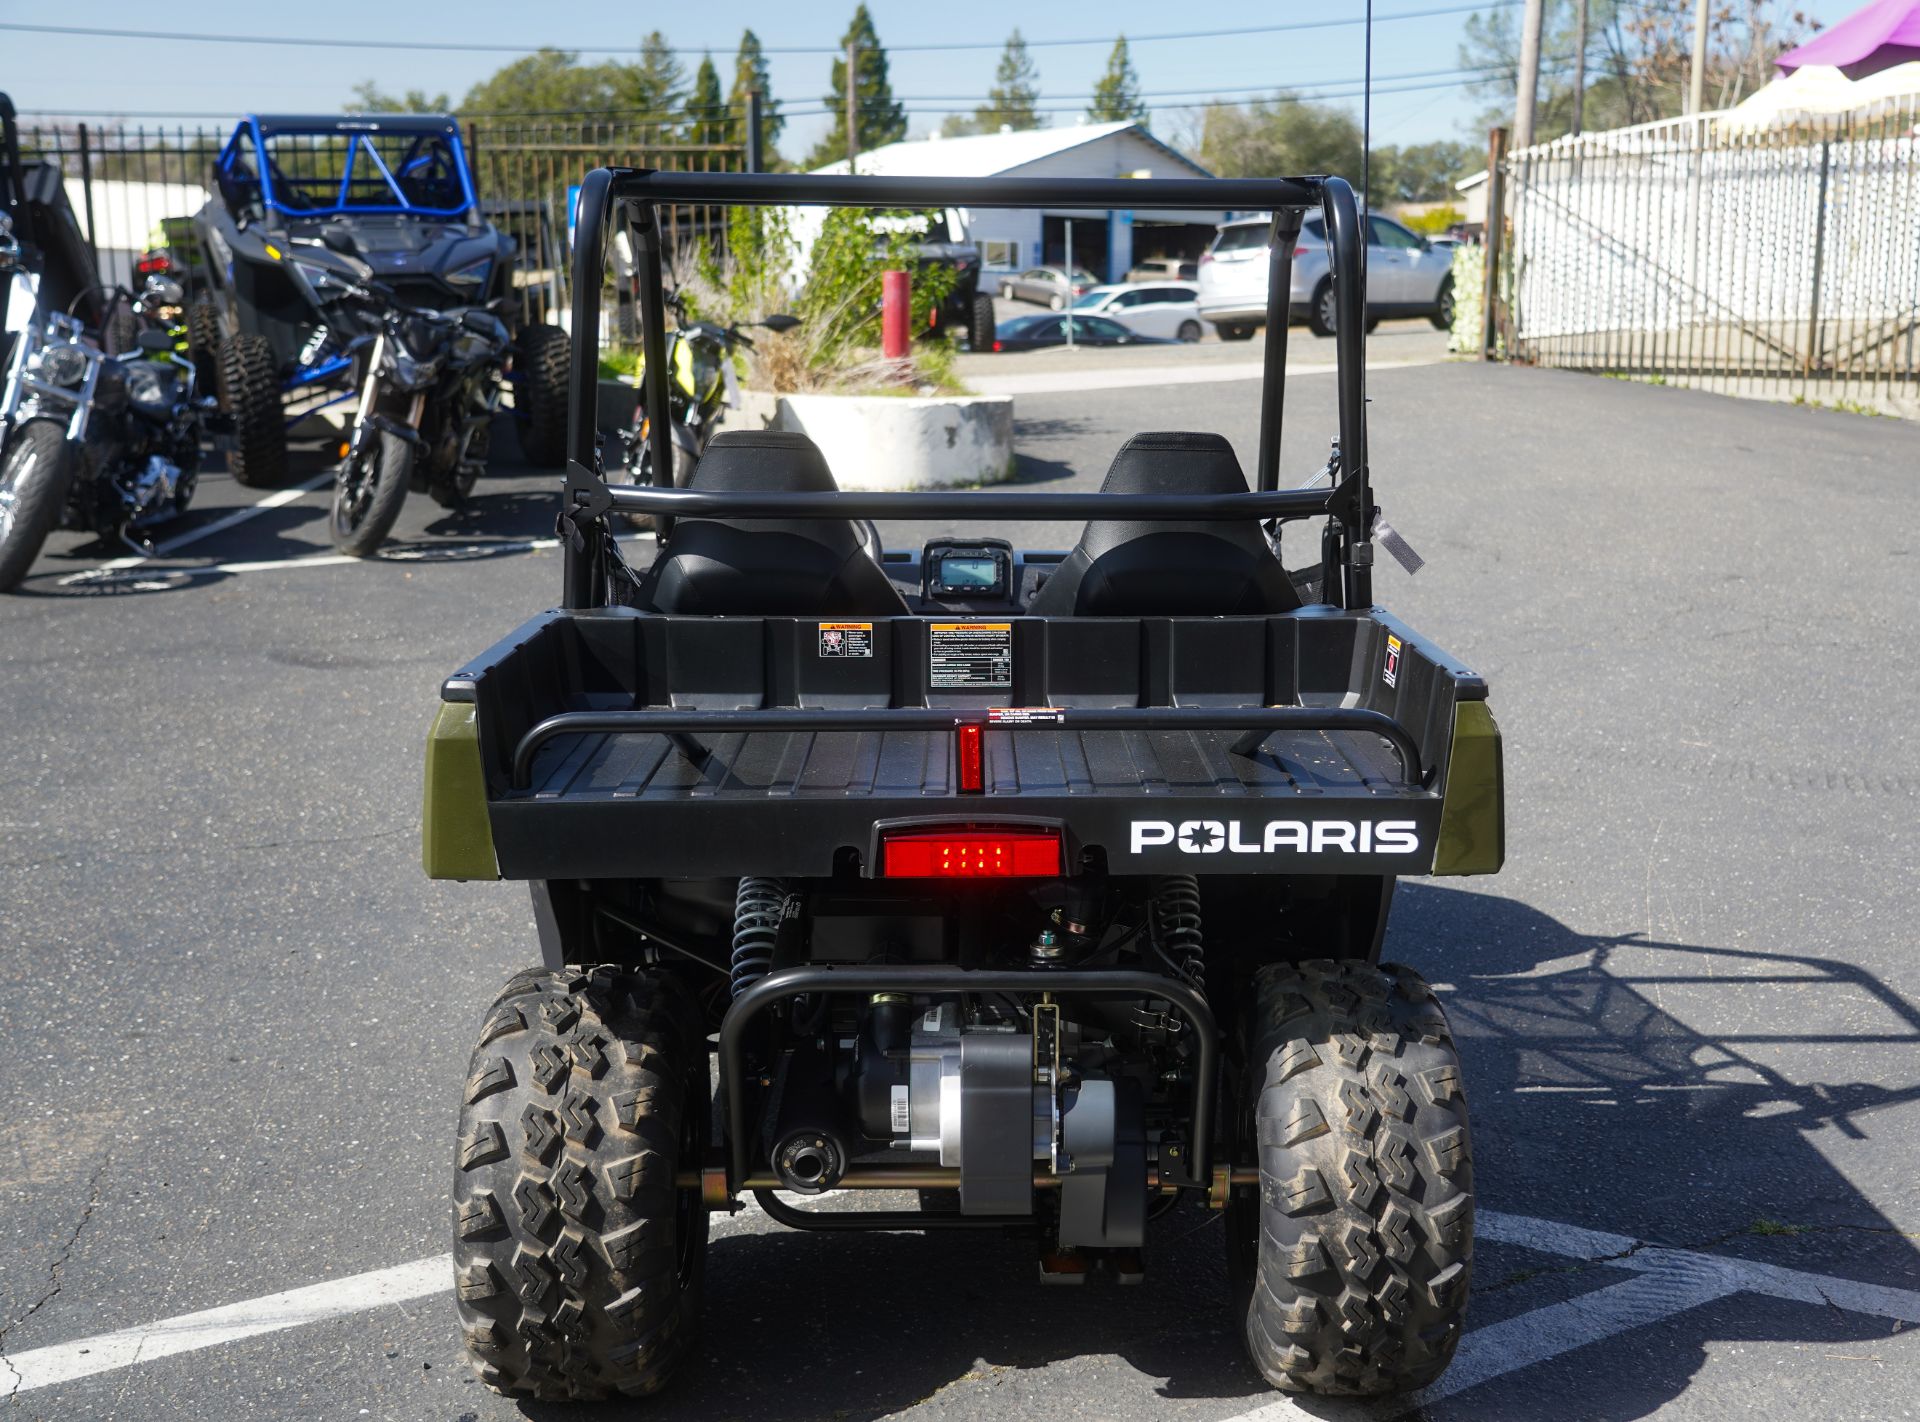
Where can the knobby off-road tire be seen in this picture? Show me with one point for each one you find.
(203, 346)
(1361, 1239)
(543, 363)
(577, 1262)
(980, 336)
(33, 489)
(250, 387)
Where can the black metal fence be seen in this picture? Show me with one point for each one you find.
(125, 182)
(1781, 261)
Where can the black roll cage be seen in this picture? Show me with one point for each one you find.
(637, 194)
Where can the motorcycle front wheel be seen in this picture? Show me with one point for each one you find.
(33, 488)
(368, 489)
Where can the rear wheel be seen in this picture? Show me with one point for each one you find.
(543, 363)
(1353, 1258)
(1058, 303)
(1322, 311)
(203, 345)
(1442, 317)
(368, 491)
(1233, 331)
(1189, 331)
(33, 488)
(250, 388)
(980, 335)
(577, 1258)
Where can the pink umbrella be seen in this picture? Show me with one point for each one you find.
(1877, 37)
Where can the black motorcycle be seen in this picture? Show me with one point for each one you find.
(430, 383)
(109, 444)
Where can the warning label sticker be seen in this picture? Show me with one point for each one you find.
(846, 639)
(901, 1112)
(1390, 669)
(1025, 715)
(970, 654)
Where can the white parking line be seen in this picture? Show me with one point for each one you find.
(43, 1367)
(278, 499)
(408, 554)
(1670, 1282)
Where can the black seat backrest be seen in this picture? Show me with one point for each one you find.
(1173, 568)
(816, 567)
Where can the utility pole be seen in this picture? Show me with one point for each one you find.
(853, 105)
(1697, 78)
(1579, 64)
(1529, 92)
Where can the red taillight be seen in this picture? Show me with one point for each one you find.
(1299, 251)
(971, 854)
(968, 759)
(996, 345)
(152, 262)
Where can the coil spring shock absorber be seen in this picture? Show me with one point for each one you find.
(757, 906)
(1176, 927)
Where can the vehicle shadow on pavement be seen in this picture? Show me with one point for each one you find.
(1594, 1106)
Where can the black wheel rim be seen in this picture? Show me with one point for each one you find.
(353, 492)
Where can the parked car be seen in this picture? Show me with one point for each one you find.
(1026, 333)
(1049, 286)
(1156, 308)
(1164, 269)
(1406, 276)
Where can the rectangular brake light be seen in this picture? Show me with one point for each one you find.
(971, 854)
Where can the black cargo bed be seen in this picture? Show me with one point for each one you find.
(584, 782)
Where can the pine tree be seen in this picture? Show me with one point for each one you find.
(750, 72)
(1016, 89)
(657, 84)
(1117, 95)
(879, 120)
(706, 112)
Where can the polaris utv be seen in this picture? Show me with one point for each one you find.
(1049, 886)
(309, 207)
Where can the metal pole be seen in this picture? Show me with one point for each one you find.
(1068, 265)
(1491, 237)
(1697, 68)
(1814, 341)
(1579, 65)
(1273, 386)
(581, 575)
(853, 104)
(1529, 90)
(755, 160)
(86, 188)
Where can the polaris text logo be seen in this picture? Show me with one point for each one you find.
(1295, 836)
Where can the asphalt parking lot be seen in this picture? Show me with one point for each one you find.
(236, 1018)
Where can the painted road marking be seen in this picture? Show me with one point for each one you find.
(121, 570)
(1670, 1282)
(1061, 382)
(279, 499)
(43, 1367)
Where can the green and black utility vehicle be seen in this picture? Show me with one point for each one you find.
(1050, 886)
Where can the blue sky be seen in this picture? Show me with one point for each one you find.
(102, 76)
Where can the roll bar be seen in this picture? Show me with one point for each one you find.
(641, 192)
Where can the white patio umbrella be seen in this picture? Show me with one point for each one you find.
(1819, 91)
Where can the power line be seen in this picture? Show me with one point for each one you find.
(443, 46)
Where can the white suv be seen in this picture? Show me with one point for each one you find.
(1406, 276)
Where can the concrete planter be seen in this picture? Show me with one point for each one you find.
(877, 442)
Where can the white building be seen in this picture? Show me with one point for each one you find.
(1106, 244)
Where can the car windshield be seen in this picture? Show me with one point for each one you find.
(1092, 298)
(1022, 325)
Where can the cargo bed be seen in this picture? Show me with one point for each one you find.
(617, 744)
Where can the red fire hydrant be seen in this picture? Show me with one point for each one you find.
(896, 305)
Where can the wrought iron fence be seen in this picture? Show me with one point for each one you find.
(126, 182)
(1780, 262)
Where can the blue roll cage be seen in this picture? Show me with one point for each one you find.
(358, 131)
